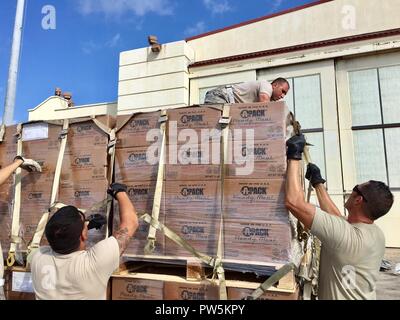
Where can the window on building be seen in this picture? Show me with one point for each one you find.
(376, 123)
(305, 101)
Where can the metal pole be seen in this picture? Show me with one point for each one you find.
(9, 105)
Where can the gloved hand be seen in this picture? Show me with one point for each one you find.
(29, 164)
(115, 188)
(96, 221)
(295, 147)
(313, 174)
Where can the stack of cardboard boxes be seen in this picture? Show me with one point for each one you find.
(252, 207)
(134, 168)
(84, 174)
(192, 179)
(39, 142)
(83, 180)
(8, 150)
(256, 222)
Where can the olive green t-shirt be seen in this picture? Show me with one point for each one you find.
(351, 256)
(249, 92)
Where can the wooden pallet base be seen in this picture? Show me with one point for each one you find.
(192, 269)
(160, 282)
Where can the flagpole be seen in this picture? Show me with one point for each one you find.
(8, 116)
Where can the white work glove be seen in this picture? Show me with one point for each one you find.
(29, 164)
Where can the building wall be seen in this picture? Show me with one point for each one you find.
(324, 21)
(334, 145)
(149, 81)
(55, 108)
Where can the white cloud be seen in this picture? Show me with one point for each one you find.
(200, 27)
(91, 46)
(114, 41)
(275, 6)
(217, 6)
(121, 7)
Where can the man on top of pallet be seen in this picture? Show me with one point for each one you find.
(66, 270)
(249, 92)
(352, 247)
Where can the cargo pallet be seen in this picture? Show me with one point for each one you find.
(191, 281)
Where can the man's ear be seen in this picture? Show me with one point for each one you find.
(358, 200)
(84, 234)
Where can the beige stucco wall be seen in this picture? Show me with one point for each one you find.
(55, 108)
(321, 22)
(150, 81)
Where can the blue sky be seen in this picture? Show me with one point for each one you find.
(82, 54)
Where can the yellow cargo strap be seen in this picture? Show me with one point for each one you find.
(177, 239)
(2, 296)
(309, 266)
(218, 269)
(37, 237)
(151, 237)
(15, 238)
(272, 280)
(2, 132)
(111, 152)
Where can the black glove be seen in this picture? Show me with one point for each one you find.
(115, 188)
(96, 221)
(313, 174)
(295, 147)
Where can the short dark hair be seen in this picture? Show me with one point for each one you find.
(281, 81)
(379, 199)
(64, 229)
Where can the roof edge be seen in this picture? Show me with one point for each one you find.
(306, 46)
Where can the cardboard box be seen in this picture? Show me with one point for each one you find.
(35, 200)
(269, 121)
(87, 133)
(203, 123)
(187, 291)
(244, 294)
(257, 160)
(201, 234)
(193, 162)
(84, 165)
(133, 129)
(137, 289)
(134, 164)
(257, 241)
(139, 240)
(266, 198)
(5, 226)
(141, 194)
(192, 199)
(8, 148)
(18, 285)
(84, 195)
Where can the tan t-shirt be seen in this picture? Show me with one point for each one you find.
(351, 256)
(81, 275)
(248, 92)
